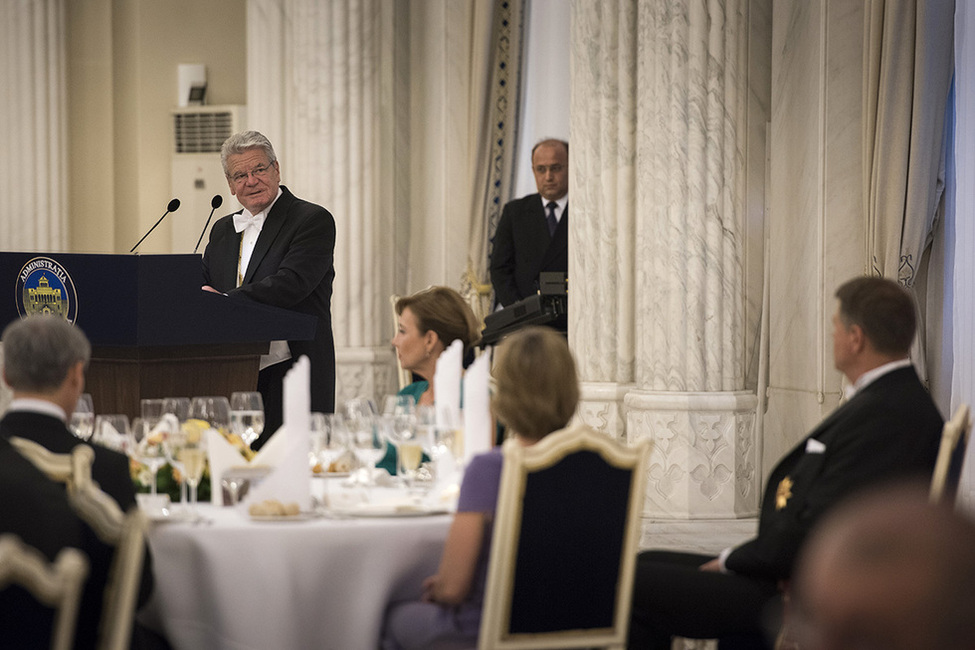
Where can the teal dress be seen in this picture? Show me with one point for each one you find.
(388, 461)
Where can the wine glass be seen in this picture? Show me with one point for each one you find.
(112, 431)
(399, 413)
(82, 422)
(149, 444)
(329, 440)
(178, 406)
(151, 410)
(213, 410)
(247, 416)
(365, 436)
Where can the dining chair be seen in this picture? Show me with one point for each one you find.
(951, 456)
(564, 545)
(56, 584)
(123, 532)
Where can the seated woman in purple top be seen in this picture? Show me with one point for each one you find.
(537, 393)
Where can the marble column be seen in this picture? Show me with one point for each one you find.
(659, 104)
(33, 212)
(323, 86)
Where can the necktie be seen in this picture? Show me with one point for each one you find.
(550, 217)
(242, 222)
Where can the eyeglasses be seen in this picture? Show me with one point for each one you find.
(257, 172)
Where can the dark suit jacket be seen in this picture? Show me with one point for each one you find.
(110, 469)
(889, 430)
(292, 268)
(36, 510)
(523, 248)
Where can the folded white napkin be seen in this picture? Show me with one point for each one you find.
(814, 446)
(289, 480)
(477, 412)
(446, 385)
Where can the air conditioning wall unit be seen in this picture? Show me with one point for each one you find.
(198, 133)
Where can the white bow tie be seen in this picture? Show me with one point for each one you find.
(242, 222)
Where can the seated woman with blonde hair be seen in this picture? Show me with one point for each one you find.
(537, 393)
(429, 321)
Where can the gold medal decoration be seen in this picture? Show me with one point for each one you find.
(783, 493)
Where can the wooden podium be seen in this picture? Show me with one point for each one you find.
(154, 332)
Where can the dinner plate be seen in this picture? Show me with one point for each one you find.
(390, 510)
(301, 516)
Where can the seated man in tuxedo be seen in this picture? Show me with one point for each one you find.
(888, 429)
(44, 363)
(887, 570)
(533, 233)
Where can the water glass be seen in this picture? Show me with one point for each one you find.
(82, 422)
(247, 416)
(112, 431)
(213, 410)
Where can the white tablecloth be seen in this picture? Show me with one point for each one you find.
(322, 583)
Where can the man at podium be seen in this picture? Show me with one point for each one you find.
(278, 251)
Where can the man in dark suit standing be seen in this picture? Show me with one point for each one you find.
(533, 233)
(278, 251)
(888, 429)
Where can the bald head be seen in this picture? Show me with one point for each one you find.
(888, 570)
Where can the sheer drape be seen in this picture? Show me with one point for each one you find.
(907, 73)
(33, 126)
(963, 283)
(494, 103)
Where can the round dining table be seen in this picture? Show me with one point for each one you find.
(311, 581)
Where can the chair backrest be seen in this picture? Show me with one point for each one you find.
(73, 468)
(951, 455)
(55, 584)
(564, 545)
(126, 533)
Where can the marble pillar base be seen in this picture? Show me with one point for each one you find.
(705, 462)
(601, 407)
(364, 372)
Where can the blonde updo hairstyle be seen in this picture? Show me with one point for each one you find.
(537, 389)
(444, 311)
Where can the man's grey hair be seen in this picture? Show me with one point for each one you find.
(240, 142)
(38, 352)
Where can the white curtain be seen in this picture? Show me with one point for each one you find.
(495, 81)
(33, 126)
(907, 74)
(963, 282)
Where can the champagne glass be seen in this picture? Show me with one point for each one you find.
(188, 449)
(215, 411)
(247, 416)
(149, 445)
(82, 422)
(112, 431)
(399, 411)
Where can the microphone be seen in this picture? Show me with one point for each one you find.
(172, 207)
(215, 203)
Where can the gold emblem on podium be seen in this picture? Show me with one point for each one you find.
(45, 287)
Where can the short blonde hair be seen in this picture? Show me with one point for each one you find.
(444, 311)
(537, 387)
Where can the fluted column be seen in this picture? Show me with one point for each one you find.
(33, 215)
(321, 87)
(656, 248)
